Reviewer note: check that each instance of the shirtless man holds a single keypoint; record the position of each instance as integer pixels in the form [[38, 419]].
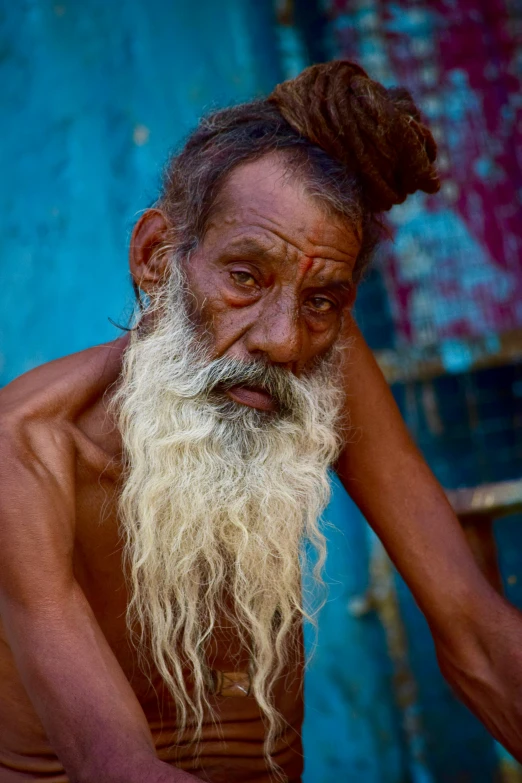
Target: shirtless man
[[155, 492]]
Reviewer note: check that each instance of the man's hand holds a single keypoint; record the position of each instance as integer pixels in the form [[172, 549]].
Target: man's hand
[[482, 660], [478, 635], [89, 711]]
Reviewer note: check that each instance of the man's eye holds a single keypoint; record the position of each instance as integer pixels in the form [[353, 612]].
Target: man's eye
[[321, 304], [244, 278]]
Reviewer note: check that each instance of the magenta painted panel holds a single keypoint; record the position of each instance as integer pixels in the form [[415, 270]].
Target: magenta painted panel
[[455, 268]]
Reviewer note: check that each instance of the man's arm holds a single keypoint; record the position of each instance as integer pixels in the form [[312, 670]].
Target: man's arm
[[90, 713], [478, 635]]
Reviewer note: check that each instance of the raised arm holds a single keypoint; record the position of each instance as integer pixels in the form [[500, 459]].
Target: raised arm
[[88, 709], [478, 635]]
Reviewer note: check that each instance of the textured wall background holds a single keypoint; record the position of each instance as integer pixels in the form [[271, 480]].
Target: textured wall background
[[453, 269], [94, 96]]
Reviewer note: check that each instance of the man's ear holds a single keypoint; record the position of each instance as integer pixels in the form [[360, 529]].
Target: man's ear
[[147, 266]]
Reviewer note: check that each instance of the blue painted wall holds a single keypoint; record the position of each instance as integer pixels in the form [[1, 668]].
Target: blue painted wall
[[94, 96], [352, 730]]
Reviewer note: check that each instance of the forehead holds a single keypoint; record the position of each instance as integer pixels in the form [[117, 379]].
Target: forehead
[[262, 199]]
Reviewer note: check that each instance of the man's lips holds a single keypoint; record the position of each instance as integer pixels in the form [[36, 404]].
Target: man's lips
[[254, 398]]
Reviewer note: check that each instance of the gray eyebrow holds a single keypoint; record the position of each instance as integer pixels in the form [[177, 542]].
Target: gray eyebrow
[[250, 245], [344, 285]]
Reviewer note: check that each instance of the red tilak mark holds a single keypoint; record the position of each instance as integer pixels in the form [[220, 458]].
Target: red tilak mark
[[305, 265]]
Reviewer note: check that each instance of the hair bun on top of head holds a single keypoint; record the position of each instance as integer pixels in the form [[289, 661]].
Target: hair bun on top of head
[[376, 132]]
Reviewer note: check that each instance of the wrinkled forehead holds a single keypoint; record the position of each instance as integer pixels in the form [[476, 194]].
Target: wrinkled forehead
[[268, 197]]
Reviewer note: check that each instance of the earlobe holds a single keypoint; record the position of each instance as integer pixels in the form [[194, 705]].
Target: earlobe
[[147, 265]]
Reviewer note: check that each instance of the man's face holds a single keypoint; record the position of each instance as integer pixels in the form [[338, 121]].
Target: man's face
[[273, 275]]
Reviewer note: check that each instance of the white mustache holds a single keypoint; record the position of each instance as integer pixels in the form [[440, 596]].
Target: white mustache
[[207, 377]]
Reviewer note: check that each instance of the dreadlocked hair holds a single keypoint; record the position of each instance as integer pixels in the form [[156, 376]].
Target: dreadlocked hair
[[359, 148]]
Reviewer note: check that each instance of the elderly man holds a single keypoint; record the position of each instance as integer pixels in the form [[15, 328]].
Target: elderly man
[[156, 493]]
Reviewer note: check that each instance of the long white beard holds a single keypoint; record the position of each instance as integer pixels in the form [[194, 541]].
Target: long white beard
[[218, 501]]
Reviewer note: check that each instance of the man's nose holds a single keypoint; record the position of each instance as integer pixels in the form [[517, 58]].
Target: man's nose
[[278, 334]]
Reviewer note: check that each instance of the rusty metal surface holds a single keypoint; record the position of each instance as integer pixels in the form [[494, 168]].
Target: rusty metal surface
[[488, 500], [382, 596], [419, 362], [478, 508]]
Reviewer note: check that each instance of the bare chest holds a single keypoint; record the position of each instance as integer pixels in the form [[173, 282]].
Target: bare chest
[[98, 554]]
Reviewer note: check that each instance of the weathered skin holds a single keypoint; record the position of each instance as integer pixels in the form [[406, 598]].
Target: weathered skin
[[71, 693], [76, 558]]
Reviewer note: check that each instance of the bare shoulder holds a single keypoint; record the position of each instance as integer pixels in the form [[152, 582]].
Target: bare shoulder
[[64, 387], [44, 423], [45, 405], [41, 435]]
